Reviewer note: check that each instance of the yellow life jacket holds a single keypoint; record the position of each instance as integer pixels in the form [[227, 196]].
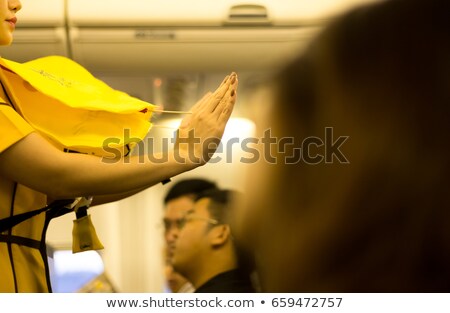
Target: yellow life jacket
[[64, 102]]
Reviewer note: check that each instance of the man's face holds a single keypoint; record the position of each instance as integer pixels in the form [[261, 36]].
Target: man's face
[[175, 211], [193, 242]]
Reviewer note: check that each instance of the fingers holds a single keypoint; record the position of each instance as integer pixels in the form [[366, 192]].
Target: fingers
[[203, 101], [219, 94], [225, 107], [215, 103]]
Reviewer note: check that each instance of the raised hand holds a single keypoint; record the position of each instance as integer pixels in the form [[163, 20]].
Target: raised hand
[[200, 132]]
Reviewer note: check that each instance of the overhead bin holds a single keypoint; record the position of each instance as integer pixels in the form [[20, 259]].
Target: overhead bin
[[41, 31], [197, 35], [142, 36], [202, 12], [137, 50]]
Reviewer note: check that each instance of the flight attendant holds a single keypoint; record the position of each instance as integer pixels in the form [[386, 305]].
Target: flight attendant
[[33, 170]]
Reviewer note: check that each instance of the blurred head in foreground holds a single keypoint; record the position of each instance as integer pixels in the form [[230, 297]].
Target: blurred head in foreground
[[366, 206]]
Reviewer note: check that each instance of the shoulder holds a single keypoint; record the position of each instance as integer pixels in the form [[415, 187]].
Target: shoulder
[[12, 127]]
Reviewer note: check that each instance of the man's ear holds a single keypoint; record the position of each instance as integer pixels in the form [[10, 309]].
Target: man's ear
[[220, 234]]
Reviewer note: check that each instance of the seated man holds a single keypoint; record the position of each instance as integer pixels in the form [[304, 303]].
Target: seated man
[[206, 252], [179, 199]]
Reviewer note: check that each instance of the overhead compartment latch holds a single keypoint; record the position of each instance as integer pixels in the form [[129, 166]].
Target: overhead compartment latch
[[248, 14]]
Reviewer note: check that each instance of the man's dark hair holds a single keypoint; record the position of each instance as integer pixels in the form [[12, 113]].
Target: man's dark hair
[[220, 208], [189, 187]]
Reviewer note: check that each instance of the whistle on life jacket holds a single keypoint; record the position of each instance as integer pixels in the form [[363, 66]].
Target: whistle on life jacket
[[84, 236]]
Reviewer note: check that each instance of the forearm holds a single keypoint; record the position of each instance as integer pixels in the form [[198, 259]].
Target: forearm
[[34, 162], [120, 179]]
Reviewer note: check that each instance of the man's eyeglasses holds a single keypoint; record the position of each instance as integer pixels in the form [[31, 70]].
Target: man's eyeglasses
[[191, 217], [181, 222], [169, 224]]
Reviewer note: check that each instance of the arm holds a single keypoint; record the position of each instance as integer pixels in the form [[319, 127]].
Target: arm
[[34, 162]]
